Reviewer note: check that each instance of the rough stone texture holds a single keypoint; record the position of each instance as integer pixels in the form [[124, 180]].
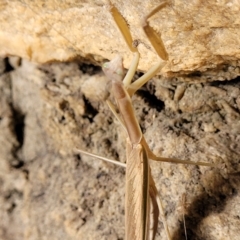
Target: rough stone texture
[[49, 191], [201, 37]]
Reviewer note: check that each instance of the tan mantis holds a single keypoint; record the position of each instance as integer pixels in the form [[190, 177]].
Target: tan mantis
[[142, 202]]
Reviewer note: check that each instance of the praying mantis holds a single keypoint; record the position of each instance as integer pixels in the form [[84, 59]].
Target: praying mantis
[[142, 202]]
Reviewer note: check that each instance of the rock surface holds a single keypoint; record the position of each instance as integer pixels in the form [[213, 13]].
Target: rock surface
[[201, 37], [49, 191]]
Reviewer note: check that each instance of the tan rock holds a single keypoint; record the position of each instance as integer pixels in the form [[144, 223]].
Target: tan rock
[[48, 190], [201, 37]]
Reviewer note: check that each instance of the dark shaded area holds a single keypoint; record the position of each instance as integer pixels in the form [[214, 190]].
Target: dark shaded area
[[19, 125], [194, 74], [89, 69], [18, 129], [77, 160], [8, 66], [151, 100], [90, 111], [65, 108], [204, 205], [226, 82]]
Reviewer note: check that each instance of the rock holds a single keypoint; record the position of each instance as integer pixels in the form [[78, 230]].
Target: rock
[[201, 37], [49, 191]]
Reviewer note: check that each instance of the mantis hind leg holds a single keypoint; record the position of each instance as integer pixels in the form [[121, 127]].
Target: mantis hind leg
[[157, 211], [152, 156]]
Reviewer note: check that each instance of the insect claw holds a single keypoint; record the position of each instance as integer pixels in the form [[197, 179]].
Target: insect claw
[[123, 27], [154, 37]]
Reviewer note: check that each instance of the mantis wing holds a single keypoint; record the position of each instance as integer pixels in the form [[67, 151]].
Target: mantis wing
[[141, 207], [137, 193]]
